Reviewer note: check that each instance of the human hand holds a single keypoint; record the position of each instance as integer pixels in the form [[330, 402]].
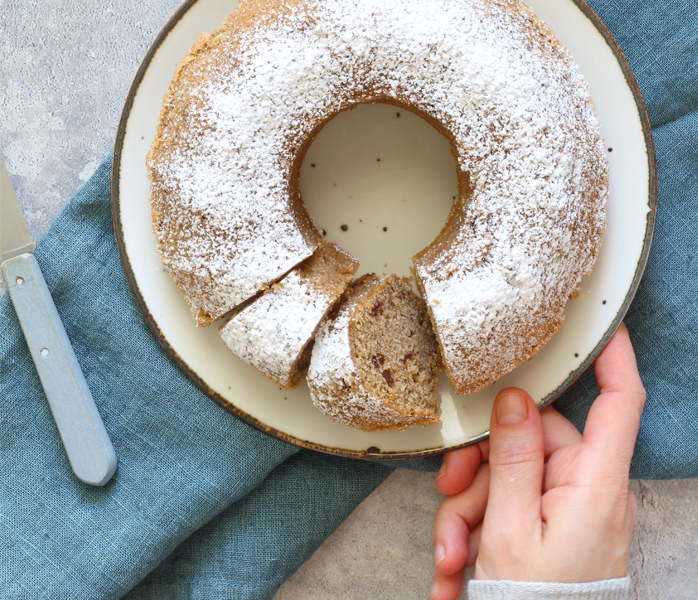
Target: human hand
[[464, 479], [517, 517]]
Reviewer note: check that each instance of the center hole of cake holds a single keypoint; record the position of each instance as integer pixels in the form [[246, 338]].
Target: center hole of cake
[[379, 181]]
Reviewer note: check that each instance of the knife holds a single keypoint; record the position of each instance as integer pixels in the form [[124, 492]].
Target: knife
[[85, 439]]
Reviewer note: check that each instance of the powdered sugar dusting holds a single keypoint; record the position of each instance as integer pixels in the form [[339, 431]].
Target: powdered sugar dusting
[[499, 83], [331, 364], [271, 333]]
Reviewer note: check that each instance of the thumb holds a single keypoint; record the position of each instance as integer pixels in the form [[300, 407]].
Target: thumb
[[517, 454]]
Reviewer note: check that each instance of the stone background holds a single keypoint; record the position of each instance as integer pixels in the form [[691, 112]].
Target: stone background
[[65, 69]]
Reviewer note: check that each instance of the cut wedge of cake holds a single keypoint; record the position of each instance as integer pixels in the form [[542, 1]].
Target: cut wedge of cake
[[375, 361], [274, 332]]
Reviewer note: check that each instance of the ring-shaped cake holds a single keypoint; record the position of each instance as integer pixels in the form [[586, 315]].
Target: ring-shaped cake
[[249, 99]]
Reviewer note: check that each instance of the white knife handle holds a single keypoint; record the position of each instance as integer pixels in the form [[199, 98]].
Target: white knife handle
[[85, 439]]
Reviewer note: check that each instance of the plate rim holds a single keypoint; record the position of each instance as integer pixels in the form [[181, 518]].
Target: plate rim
[[369, 453]]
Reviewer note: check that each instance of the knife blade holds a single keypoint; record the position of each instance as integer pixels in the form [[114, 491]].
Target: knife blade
[[86, 442]]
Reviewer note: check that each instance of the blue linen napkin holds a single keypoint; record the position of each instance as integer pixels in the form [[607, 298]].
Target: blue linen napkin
[[203, 505]]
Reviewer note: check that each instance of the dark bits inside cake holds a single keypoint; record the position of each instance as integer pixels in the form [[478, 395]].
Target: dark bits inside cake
[[395, 350]]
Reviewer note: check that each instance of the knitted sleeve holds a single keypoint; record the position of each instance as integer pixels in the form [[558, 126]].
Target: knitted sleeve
[[610, 589]]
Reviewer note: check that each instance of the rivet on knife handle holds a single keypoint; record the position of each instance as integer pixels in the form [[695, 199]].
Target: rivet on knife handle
[[85, 439]]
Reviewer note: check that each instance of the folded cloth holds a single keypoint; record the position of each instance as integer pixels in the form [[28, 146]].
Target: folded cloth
[[203, 505], [182, 459]]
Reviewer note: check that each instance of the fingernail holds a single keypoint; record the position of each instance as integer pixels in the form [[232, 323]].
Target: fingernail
[[434, 589], [439, 554], [511, 409], [442, 471]]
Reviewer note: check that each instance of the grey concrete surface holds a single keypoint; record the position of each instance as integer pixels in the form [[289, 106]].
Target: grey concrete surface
[[383, 551], [65, 69]]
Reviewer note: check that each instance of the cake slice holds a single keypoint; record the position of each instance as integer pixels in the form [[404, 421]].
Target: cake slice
[[274, 332], [375, 361]]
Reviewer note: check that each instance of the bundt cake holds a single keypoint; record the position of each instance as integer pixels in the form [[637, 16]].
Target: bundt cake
[[529, 217]]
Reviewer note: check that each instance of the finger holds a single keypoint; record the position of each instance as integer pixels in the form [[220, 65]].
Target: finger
[[447, 587], [562, 468], [614, 418], [616, 366], [474, 545], [484, 446], [557, 430], [456, 517], [516, 462], [458, 470]]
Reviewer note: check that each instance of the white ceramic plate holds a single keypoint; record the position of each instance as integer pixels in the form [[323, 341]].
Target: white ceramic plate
[[408, 191]]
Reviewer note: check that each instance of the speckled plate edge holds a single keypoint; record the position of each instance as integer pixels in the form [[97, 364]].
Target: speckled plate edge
[[374, 453]]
